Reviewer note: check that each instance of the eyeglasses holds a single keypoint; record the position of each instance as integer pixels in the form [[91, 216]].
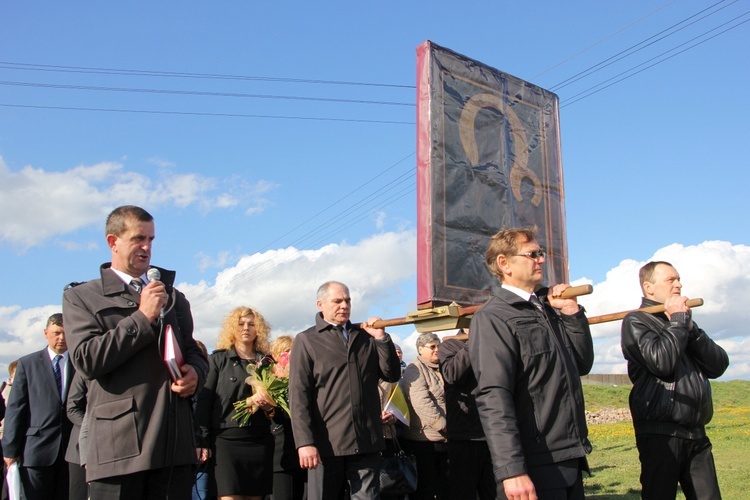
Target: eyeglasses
[[431, 347], [535, 255]]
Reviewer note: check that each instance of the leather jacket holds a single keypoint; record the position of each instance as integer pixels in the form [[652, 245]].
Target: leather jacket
[[669, 364]]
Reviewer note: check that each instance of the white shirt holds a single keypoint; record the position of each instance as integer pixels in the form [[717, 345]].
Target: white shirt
[[521, 293], [126, 278]]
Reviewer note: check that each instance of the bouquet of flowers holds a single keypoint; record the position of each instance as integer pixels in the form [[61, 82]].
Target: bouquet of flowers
[[270, 381]]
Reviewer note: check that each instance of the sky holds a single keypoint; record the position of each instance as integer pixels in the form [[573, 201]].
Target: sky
[[274, 143]]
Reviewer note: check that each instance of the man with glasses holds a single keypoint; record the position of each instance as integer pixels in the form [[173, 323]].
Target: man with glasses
[[528, 348]]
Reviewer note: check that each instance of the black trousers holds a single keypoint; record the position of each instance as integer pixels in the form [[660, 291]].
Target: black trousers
[[78, 487], [432, 468], [174, 483], [43, 483], [329, 479], [471, 474], [665, 461]]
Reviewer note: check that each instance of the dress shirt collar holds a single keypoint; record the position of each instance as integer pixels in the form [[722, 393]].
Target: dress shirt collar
[[126, 278], [521, 293]]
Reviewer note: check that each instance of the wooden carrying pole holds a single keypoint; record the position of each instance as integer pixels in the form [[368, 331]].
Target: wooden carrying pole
[[454, 316], [651, 309]]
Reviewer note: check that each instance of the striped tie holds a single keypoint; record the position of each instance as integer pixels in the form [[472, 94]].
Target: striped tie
[[58, 374], [137, 284]]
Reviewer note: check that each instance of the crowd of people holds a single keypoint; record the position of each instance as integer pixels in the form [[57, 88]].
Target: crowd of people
[[495, 411]]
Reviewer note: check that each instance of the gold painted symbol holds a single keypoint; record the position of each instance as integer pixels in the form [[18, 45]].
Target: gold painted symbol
[[520, 169]]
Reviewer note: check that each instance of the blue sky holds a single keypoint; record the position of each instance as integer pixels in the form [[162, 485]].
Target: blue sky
[[275, 145]]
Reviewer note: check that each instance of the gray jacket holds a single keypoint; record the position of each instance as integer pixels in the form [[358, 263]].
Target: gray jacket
[[136, 422]]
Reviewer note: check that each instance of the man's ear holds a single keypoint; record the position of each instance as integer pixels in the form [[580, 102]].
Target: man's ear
[[111, 239], [648, 289], [503, 264]]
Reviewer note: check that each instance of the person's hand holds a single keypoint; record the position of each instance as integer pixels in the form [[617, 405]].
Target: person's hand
[[203, 454], [568, 307], [153, 299], [377, 333], [261, 402], [388, 418], [11, 461], [308, 457], [519, 488], [675, 304], [186, 386]]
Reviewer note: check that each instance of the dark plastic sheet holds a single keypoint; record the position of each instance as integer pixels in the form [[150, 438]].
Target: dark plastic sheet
[[488, 157]]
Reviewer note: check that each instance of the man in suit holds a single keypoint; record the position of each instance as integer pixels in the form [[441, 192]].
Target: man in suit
[[140, 440], [528, 348], [36, 423]]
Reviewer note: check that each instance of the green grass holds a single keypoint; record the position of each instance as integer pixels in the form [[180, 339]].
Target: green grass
[[614, 462]]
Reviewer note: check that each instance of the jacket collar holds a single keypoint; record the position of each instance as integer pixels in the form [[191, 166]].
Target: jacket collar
[[113, 285]]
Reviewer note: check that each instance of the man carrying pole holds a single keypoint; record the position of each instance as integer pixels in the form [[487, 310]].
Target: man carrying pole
[[528, 351], [670, 361]]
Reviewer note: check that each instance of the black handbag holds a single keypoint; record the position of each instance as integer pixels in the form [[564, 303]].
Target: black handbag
[[398, 473]]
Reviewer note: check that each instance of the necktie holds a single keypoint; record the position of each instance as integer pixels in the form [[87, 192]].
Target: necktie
[[58, 374], [137, 284], [537, 303], [340, 329]]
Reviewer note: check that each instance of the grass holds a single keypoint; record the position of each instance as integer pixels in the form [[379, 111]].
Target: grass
[[614, 462]]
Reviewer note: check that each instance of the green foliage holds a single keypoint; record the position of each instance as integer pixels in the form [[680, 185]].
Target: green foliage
[[614, 462]]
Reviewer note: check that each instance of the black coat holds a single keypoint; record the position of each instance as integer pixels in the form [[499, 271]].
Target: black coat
[[333, 389]]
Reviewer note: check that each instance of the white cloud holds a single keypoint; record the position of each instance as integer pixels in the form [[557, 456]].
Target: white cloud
[[716, 271], [30, 198], [282, 284]]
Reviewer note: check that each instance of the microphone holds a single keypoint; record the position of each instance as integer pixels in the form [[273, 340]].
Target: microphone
[[154, 274]]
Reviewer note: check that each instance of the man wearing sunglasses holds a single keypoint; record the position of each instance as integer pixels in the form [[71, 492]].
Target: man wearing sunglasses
[[528, 348]]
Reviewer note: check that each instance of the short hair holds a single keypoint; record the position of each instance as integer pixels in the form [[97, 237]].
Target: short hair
[[56, 320], [325, 288], [280, 346], [647, 272], [12, 368], [427, 338], [505, 242], [230, 330], [117, 220]]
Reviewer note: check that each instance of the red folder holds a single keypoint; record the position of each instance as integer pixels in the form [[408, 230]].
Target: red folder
[[172, 354]]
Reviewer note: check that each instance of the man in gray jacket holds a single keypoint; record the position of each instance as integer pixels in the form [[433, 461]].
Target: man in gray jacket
[[333, 392], [528, 348], [140, 422]]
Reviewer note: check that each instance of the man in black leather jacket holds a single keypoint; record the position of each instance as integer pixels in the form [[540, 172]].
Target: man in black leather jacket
[[670, 361]]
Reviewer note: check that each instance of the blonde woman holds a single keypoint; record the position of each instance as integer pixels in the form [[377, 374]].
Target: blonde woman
[[243, 455]]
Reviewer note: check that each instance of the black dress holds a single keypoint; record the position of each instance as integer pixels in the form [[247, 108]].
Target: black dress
[[243, 455]]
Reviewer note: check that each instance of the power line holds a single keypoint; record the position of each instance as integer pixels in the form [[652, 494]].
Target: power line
[[590, 91], [201, 93], [602, 40], [170, 74], [633, 49], [197, 113]]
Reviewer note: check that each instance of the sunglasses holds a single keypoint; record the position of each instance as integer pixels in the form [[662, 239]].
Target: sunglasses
[[535, 255]]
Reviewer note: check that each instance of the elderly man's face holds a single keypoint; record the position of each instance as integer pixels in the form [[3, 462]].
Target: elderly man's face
[[664, 282], [337, 305]]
